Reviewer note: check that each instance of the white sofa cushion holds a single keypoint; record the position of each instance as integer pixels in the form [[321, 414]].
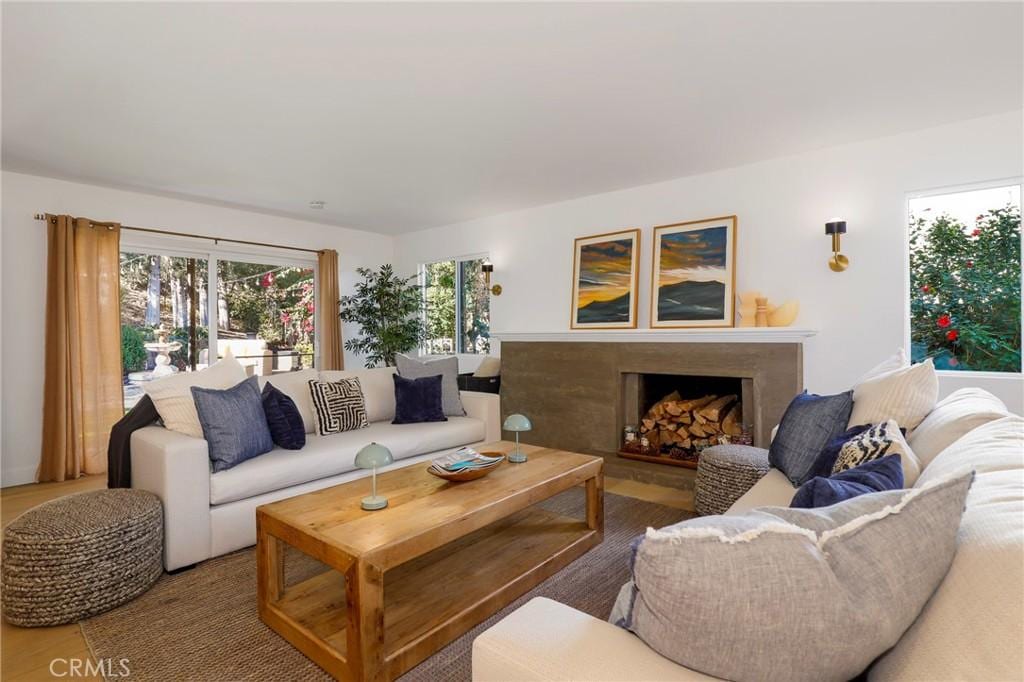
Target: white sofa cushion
[[972, 627], [544, 640], [295, 385], [906, 395], [334, 454], [378, 389], [773, 490], [172, 395], [954, 416]]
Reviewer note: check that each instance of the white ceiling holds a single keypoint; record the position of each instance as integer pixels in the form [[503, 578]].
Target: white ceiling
[[406, 116]]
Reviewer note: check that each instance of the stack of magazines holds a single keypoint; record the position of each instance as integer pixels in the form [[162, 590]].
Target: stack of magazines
[[464, 459]]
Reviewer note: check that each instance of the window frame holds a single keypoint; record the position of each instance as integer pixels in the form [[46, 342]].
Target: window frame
[[907, 322], [212, 253], [421, 272]]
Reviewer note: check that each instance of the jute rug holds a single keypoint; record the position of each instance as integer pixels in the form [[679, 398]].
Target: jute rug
[[202, 624]]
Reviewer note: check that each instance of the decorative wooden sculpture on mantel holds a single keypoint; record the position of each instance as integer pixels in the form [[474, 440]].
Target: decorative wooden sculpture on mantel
[[756, 311]]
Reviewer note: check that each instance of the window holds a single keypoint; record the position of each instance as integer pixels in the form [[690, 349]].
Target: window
[[965, 270], [456, 307], [263, 313]]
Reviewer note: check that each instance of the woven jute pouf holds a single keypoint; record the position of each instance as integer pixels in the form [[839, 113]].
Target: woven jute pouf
[[724, 474], [81, 555]]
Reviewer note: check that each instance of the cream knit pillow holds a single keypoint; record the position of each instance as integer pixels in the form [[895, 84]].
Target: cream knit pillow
[[906, 395], [172, 396]]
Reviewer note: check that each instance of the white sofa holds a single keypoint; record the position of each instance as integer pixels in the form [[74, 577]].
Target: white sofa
[[971, 629], [208, 514]]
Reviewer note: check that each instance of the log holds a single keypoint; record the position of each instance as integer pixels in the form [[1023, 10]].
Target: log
[[732, 423], [648, 424], [697, 430], [697, 403], [714, 410]]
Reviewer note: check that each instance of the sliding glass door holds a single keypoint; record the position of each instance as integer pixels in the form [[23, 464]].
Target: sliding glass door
[[262, 313]]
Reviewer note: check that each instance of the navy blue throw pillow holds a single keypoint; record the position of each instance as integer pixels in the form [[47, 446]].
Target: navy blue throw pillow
[[283, 418], [234, 425], [810, 422], [418, 400], [876, 475], [830, 453]]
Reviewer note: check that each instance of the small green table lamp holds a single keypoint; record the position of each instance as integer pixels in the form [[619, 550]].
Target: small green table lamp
[[517, 423], [370, 457]]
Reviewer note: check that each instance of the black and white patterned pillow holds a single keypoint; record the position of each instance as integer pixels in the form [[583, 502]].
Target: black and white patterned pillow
[[878, 441], [338, 405]]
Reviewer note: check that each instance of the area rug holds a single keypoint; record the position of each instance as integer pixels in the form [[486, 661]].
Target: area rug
[[202, 624]]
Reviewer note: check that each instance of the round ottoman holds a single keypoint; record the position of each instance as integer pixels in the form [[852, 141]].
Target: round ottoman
[[81, 555], [724, 474]]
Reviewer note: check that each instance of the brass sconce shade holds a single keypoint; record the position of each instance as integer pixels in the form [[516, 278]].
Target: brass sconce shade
[[487, 268], [837, 262]]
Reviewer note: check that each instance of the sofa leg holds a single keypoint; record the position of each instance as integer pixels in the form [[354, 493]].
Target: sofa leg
[[182, 569]]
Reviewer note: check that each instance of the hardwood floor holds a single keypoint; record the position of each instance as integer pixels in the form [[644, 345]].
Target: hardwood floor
[[26, 654]]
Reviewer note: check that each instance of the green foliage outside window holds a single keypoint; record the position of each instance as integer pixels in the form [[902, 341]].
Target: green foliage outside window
[[133, 350], [965, 291]]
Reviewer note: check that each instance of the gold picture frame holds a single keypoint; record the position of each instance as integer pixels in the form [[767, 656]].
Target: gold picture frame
[[605, 280], [693, 274]]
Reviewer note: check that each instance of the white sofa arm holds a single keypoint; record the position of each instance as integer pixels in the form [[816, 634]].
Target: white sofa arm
[[487, 408], [176, 468], [547, 641]]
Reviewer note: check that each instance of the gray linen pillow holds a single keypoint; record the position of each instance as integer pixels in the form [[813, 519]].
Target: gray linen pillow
[[793, 594], [234, 424], [448, 368]]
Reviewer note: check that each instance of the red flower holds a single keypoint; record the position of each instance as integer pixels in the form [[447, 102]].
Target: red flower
[[286, 318], [953, 362], [952, 335], [267, 280], [925, 288], [943, 321], [309, 307], [308, 326], [970, 264], [976, 232]]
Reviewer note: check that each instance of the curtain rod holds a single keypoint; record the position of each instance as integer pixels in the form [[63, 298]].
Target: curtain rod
[[215, 240]]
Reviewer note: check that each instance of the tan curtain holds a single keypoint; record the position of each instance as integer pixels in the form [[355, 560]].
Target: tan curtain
[[328, 326], [82, 395]]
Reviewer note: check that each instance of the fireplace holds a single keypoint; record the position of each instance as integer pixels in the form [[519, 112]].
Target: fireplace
[[676, 416], [580, 389]]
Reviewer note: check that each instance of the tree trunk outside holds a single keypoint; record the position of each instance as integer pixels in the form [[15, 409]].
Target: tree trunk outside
[[153, 293]]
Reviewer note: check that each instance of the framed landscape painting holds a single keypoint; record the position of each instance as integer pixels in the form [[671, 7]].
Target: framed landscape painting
[[604, 281], [694, 274]]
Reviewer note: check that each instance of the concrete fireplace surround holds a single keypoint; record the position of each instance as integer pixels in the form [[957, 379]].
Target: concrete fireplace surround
[[579, 388]]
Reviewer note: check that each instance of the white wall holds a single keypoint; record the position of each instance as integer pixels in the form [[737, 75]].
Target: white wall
[[782, 249], [24, 279]]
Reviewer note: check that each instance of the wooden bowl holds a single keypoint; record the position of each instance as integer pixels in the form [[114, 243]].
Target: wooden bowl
[[471, 474]]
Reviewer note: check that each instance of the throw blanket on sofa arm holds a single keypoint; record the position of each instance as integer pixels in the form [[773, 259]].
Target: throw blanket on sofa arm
[[119, 451]]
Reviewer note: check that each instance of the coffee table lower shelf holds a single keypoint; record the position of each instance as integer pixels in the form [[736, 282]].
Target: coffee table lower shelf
[[434, 598]]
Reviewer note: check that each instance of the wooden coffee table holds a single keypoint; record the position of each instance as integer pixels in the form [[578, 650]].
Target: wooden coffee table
[[410, 578]]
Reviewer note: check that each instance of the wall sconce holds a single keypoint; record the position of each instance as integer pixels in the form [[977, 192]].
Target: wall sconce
[[838, 262], [487, 268]]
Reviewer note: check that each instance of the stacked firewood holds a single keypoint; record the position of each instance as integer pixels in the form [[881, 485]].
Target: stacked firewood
[[693, 423]]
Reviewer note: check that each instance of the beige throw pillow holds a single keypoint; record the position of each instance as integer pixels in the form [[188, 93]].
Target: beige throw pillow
[[172, 396], [897, 360], [906, 395], [489, 367]]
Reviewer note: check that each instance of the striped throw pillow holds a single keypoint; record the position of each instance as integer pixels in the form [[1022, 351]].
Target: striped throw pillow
[[338, 405]]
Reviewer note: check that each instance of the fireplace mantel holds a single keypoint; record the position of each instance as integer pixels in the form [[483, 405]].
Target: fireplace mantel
[[732, 335]]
